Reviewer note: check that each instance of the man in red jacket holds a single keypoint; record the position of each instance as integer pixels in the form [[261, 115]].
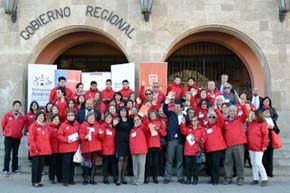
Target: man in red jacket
[[62, 84], [12, 126], [176, 86], [125, 91], [90, 94], [108, 92]]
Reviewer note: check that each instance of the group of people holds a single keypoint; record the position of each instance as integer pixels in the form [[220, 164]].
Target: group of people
[[151, 130]]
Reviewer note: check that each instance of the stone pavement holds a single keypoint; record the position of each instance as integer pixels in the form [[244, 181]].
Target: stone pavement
[[21, 184]]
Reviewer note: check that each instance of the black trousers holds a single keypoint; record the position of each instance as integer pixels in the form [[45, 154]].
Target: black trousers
[[54, 169], [110, 163], [152, 162], [213, 162], [268, 160], [162, 160], [11, 145], [36, 168], [67, 167], [191, 167]]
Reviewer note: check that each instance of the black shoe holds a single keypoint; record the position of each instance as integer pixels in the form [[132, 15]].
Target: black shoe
[[93, 182], [188, 181], [106, 181], [52, 181], [124, 181], [194, 182], [264, 183], [270, 175], [155, 180], [146, 181], [181, 181], [115, 180], [166, 181], [254, 182], [86, 180]]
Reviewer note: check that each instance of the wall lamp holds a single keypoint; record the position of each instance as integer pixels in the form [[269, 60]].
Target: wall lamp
[[146, 7], [11, 9], [284, 7]]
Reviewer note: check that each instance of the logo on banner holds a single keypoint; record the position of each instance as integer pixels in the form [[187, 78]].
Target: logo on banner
[[153, 78], [42, 80]]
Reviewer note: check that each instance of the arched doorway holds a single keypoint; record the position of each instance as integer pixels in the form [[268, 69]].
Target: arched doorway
[[86, 51], [207, 61], [218, 42]]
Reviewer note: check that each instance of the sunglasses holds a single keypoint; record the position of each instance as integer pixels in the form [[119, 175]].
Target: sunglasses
[[211, 117], [149, 93]]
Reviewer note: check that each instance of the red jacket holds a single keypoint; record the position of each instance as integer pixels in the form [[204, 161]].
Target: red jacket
[[234, 129], [153, 137], [257, 135], [125, 92], [187, 88], [53, 97], [95, 144], [178, 90], [198, 135], [38, 140], [109, 139], [158, 98], [30, 117], [102, 107], [202, 116], [53, 129], [12, 127], [90, 94], [137, 140], [62, 107], [107, 95], [214, 137], [211, 96], [65, 130]]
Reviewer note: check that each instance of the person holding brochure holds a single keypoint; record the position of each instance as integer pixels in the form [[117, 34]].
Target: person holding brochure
[[68, 138], [91, 137]]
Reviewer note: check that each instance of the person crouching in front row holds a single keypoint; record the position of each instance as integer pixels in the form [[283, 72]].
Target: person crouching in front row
[[91, 137], [195, 138], [39, 147]]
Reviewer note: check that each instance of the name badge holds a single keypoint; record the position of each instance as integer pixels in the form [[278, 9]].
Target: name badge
[[134, 134], [176, 135], [201, 115], [209, 130], [109, 132]]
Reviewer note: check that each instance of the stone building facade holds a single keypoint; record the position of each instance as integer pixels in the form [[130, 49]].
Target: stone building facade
[[249, 28]]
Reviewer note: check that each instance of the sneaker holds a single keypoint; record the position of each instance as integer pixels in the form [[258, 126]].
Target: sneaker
[[5, 173], [254, 182], [264, 183]]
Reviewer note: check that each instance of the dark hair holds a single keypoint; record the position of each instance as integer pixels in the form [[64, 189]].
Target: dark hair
[[127, 101], [108, 80], [259, 116], [47, 106], [62, 90], [69, 111], [153, 111], [191, 78], [108, 114], [40, 113], [190, 109], [69, 100], [31, 104], [16, 101], [265, 98], [178, 102], [118, 93], [54, 116], [121, 109], [203, 101], [99, 101], [79, 84], [83, 105], [125, 81], [61, 78], [93, 82]]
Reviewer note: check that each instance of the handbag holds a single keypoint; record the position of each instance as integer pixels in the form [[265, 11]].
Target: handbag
[[200, 157], [276, 141], [78, 158]]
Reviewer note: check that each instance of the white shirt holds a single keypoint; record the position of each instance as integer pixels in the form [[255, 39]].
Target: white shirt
[[256, 101]]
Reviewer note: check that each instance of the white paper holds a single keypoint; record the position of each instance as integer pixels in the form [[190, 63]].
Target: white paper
[[209, 130], [269, 121], [73, 137], [134, 134], [190, 139], [109, 132]]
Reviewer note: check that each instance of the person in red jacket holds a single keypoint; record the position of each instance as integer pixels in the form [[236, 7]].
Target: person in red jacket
[[99, 105], [108, 92], [68, 139], [61, 104], [138, 149], [155, 130], [39, 147], [30, 116], [12, 124], [190, 84], [215, 144], [91, 137], [257, 135], [54, 169], [125, 91], [79, 91], [176, 86], [61, 84], [109, 151], [90, 94], [235, 139], [195, 138]]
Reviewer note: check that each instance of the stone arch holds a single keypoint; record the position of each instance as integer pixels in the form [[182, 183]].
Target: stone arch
[[242, 45]]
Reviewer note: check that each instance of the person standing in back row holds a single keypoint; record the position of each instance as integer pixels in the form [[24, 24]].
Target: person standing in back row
[[12, 126]]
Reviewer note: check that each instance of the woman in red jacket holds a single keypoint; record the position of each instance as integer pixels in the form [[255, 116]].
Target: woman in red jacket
[[55, 158], [215, 144], [138, 149], [108, 151], [68, 139], [257, 135], [39, 147], [91, 137], [154, 131], [195, 138], [30, 116], [61, 104]]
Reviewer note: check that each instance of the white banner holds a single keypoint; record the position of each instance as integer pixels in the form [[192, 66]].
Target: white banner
[[121, 72], [99, 77], [40, 82]]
